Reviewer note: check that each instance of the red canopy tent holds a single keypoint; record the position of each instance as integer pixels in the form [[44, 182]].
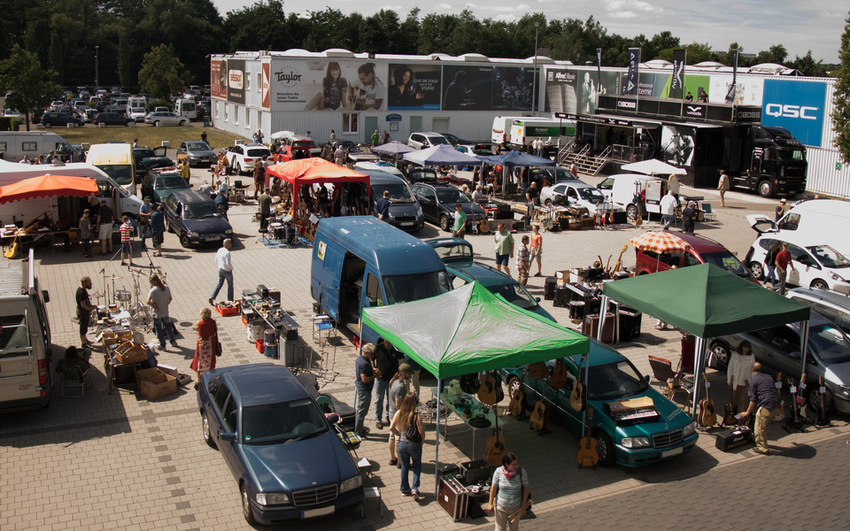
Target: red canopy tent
[[48, 186], [315, 170]]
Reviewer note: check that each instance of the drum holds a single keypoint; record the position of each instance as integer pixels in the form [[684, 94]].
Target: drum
[[122, 295]]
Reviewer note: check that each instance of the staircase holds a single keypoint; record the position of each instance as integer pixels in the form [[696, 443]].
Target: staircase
[[584, 161]]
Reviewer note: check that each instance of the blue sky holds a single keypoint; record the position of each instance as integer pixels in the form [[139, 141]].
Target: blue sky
[[755, 25]]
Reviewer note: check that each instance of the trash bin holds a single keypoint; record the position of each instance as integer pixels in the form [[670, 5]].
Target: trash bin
[[206, 121]]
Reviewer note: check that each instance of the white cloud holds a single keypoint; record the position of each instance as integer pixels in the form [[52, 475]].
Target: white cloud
[[614, 6]]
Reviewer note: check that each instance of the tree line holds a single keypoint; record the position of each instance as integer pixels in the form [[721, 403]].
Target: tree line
[[63, 35]]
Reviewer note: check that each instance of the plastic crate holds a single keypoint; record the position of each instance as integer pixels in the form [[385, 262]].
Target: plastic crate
[[227, 311]]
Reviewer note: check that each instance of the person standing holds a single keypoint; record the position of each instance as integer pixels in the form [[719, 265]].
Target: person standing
[[407, 426], [204, 136], [459, 228], [689, 217], [770, 265], [184, 170], [85, 233], [504, 248], [221, 202], [265, 204], [126, 231], [668, 209], [386, 367], [780, 209], [509, 490], [84, 309], [536, 247], [145, 211], [259, 179], [523, 263], [375, 138], [157, 229], [105, 227], [673, 185], [382, 208], [225, 271], [339, 155], [723, 185], [365, 380], [399, 387], [765, 397], [333, 137], [159, 297], [385, 138], [205, 346], [739, 371], [783, 261], [532, 195]]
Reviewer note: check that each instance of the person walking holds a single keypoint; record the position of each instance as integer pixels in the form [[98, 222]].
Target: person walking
[[770, 265], [157, 229], [765, 397], [504, 248], [84, 309], [259, 179], [509, 490], [85, 233], [407, 426], [382, 207], [689, 217], [781, 209], [536, 247], [205, 346], [668, 209], [523, 263], [159, 297], [532, 195], [225, 271], [783, 261], [399, 387], [723, 185], [363, 384], [386, 366], [105, 220], [459, 228], [126, 231], [145, 211]]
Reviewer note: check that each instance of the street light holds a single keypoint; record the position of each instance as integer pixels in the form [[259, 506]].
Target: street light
[[534, 79], [96, 79]]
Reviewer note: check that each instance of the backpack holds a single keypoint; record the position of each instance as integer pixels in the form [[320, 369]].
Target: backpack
[[412, 432]]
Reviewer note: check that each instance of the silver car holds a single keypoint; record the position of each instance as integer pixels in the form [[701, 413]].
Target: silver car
[[158, 119], [579, 194], [198, 153]]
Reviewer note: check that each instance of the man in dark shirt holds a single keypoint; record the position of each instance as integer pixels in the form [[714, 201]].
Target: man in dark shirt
[[105, 227], [84, 309], [222, 204], [382, 208], [265, 204], [764, 395], [365, 379], [532, 194], [157, 229], [386, 363]]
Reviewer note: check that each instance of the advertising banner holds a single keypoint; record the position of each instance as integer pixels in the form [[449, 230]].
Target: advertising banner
[[327, 85], [218, 79], [589, 90], [266, 85], [512, 88], [796, 106], [631, 86], [236, 80], [414, 87], [748, 90], [561, 91], [677, 145], [467, 88], [677, 79]]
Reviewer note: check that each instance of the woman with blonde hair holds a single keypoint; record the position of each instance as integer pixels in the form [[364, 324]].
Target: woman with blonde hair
[[205, 348], [407, 426]]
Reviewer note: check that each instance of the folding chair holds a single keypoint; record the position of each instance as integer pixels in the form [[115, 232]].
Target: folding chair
[[74, 377], [707, 212], [324, 328], [662, 371]]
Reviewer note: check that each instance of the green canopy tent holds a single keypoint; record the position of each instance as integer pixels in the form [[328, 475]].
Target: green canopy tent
[[706, 301], [470, 330]]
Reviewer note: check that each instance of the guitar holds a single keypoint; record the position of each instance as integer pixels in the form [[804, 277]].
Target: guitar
[[487, 390], [14, 249], [587, 455], [781, 414], [638, 220], [822, 417], [707, 415], [469, 383], [794, 419], [578, 397], [559, 375], [537, 370], [540, 416], [484, 226], [620, 258], [729, 416], [518, 403], [495, 444]]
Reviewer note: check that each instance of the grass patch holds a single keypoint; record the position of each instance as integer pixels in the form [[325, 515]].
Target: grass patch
[[148, 135]]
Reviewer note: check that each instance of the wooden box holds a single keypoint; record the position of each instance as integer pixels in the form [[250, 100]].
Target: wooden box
[[129, 352]]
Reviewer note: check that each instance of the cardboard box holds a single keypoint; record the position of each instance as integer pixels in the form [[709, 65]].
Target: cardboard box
[[153, 383], [563, 276]]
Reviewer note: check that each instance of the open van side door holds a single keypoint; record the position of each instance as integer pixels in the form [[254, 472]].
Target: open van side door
[[761, 223]]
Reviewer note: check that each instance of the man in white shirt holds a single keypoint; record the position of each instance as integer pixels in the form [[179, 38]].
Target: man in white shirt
[[668, 209], [225, 271], [372, 91]]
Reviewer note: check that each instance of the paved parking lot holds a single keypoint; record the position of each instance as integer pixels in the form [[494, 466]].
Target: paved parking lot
[[120, 461]]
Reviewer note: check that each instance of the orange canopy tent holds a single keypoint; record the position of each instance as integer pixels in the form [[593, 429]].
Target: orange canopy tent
[[48, 186], [315, 170]]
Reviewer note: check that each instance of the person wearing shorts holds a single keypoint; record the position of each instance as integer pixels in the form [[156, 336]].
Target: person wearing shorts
[[104, 228], [126, 231], [536, 247], [504, 248]]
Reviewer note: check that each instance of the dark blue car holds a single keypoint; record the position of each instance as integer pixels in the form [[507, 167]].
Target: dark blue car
[[195, 218], [287, 459]]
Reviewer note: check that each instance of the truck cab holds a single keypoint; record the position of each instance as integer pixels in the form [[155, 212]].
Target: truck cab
[[775, 162]]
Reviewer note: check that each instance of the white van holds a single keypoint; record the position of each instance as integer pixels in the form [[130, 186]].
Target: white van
[[25, 377], [627, 186], [187, 108], [116, 160], [816, 264], [15, 144], [815, 221], [524, 131]]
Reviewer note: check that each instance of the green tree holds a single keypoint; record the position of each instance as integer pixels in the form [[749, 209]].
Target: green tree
[[841, 100], [32, 87], [162, 73], [807, 66]]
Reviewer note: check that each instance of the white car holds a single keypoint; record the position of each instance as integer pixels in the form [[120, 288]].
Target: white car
[[138, 114], [426, 140], [815, 266], [242, 157], [578, 194], [159, 119], [12, 113]]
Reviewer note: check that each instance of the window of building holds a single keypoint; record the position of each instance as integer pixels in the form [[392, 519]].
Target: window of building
[[259, 81], [349, 122]]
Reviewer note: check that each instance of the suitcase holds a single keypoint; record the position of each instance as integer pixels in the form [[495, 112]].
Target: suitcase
[[591, 325], [688, 348], [629, 324], [549, 288], [733, 438], [453, 497]]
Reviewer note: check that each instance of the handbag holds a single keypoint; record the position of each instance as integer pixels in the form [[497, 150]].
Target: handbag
[[217, 342], [412, 432]]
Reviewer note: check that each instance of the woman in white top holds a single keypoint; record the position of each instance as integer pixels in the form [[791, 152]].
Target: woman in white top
[[739, 371], [509, 493]]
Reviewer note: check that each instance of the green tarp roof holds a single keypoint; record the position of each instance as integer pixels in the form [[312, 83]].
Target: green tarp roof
[[470, 330], [706, 300]]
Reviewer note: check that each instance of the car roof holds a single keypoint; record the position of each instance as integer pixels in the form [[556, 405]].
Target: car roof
[[265, 383], [377, 176], [700, 244], [482, 273], [598, 354], [830, 297], [192, 196]]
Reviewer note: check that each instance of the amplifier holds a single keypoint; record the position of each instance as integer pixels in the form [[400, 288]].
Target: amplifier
[[549, 288], [577, 310], [733, 438], [560, 300], [453, 497]]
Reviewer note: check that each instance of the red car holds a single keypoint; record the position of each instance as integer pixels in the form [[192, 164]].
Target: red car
[[702, 250]]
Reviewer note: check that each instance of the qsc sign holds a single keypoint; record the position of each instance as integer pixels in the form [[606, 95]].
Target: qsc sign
[[797, 106]]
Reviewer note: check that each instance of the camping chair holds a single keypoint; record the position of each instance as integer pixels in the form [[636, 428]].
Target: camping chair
[[707, 212], [74, 377], [662, 371]]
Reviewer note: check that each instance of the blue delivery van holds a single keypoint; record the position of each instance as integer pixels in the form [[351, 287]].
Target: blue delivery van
[[360, 261]]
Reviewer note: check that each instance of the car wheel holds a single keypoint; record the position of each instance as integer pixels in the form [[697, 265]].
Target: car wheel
[[819, 284], [631, 211], [47, 125], [605, 448], [513, 384], [813, 403], [182, 123], [184, 241], [156, 123], [445, 224], [765, 188], [548, 202], [719, 355], [757, 270], [246, 505], [205, 430]]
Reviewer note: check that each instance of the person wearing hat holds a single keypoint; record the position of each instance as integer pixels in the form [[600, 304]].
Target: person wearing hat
[[689, 216], [145, 212], [781, 209]]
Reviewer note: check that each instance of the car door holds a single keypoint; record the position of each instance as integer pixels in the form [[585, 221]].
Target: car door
[[227, 411], [806, 268], [181, 150], [428, 199], [779, 349]]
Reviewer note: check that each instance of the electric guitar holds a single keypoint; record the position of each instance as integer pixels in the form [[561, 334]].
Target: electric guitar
[[578, 397], [781, 414], [707, 415], [587, 454], [729, 416], [495, 444], [794, 418], [540, 416], [560, 375], [487, 390], [620, 258]]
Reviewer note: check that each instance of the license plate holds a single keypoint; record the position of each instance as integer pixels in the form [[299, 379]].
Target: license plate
[[407, 224], [213, 238], [671, 453], [312, 513]]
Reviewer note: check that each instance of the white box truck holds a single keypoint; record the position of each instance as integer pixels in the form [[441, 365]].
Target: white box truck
[[15, 144]]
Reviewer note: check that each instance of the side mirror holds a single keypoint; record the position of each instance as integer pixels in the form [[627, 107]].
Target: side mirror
[[647, 378], [227, 436], [537, 299], [333, 418]]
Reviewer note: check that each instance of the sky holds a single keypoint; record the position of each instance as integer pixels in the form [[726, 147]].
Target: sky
[[755, 25]]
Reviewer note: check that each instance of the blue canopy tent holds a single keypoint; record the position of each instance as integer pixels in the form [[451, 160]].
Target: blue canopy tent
[[515, 158]]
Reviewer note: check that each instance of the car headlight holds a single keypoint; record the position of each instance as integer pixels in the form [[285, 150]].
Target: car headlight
[[228, 232], [835, 276], [845, 390], [272, 498], [351, 483], [418, 210], [689, 429], [635, 442], [191, 234]]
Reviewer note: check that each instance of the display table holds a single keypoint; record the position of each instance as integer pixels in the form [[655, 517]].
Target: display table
[[460, 405]]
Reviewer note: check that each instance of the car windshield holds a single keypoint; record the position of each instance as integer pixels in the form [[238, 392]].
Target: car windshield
[[792, 154], [591, 194], [141, 153], [120, 173], [197, 146], [200, 210], [258, 153], [614, 381], [515, 294], [406, 288], [282, 422], [607, 184], [829, 257], [437, 140], [170, 183], [399, 193], [727, 261], [454, 252], [451, 195], [830, 343]]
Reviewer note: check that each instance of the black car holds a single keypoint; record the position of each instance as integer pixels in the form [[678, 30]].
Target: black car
[[146, 159], [61, 119], [438, 205], [195, 218], [111, 118]]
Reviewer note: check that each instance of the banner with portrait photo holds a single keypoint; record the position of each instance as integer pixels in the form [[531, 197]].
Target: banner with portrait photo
[[512, 88], [412, 87], [677, 145], [591, 88], [218, 79], [467, 88], [327, 85], [561, 91]]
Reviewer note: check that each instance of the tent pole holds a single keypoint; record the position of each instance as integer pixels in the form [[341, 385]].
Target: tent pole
[[603, 311], [698, 372], [804, 337], [437, 454]]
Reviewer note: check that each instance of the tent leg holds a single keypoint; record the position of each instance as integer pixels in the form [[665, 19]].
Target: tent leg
[[437, 450], [698, 373], [804, 328], [603, 311]]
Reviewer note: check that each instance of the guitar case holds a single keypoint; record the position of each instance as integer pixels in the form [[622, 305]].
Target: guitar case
[[469, 383], [498, 390]]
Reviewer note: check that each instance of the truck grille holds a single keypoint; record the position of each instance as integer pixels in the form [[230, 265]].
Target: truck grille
[[669, 438], [319, 495]]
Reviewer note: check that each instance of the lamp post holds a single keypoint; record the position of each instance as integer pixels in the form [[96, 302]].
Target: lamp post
[[96, 79], [534, 78]]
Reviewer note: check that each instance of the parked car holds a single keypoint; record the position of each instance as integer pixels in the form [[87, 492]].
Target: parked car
[[138, 114], [111, 118], [577, 194], [242, 157], [815, 266], [425, 140], [456, 141], [158, 119], [701, 250], [832, 306], [286, 457], [145, 158], [167, 182], [422, 174], [779, 349], [663, 432], [404, 211], [438, 205], [195, 218], [61, 119], [12, 113], [197, 152], [606, 186], [473, 150], [457, 254]]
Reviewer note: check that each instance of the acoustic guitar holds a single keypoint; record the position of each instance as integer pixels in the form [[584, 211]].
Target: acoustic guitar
[[14, 249], [560, 375], [707, 415], [484, 226], [578, 397], [587, 454], [822, 416], [495, 444], [518, 403], [794, 418], [537, 371], [781, 414], [487, 390], [540, 416]]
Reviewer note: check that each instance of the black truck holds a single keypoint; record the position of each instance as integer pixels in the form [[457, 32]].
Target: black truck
[[767, 160]]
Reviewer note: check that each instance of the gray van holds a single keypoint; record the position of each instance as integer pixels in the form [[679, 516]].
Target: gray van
[[359, 261], [832, 306], [405, 211]]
